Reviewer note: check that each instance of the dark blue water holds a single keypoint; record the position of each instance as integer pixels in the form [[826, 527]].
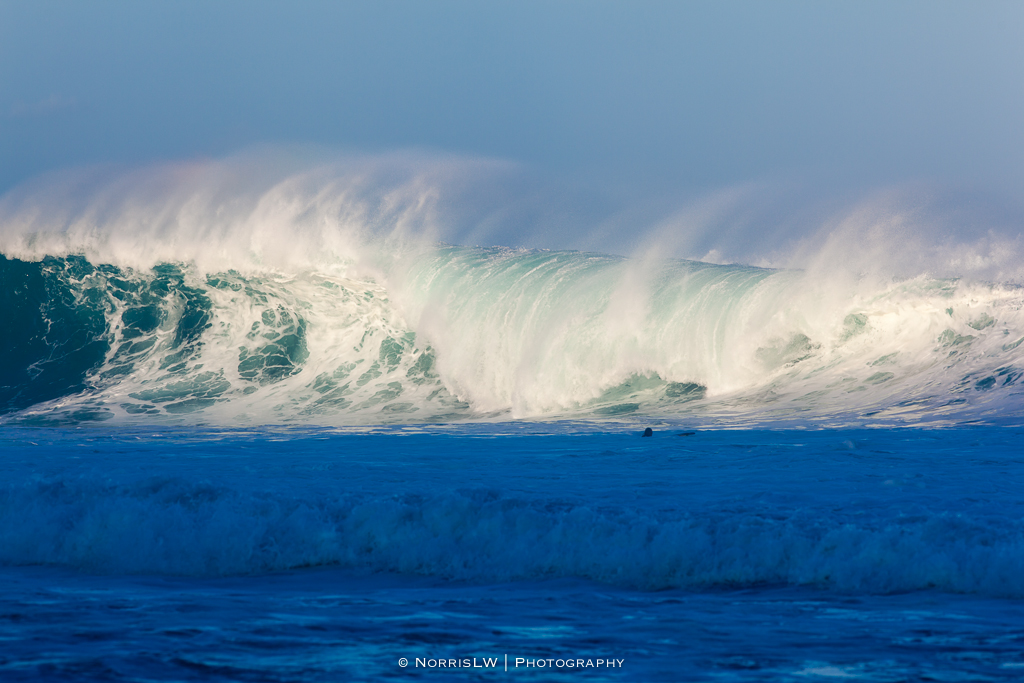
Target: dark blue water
[[324, 555]]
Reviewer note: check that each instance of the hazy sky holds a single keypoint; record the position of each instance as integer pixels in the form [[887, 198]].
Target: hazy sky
[[671, 94]]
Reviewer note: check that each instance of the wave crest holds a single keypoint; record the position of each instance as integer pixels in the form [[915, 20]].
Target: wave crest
[[469, 333]]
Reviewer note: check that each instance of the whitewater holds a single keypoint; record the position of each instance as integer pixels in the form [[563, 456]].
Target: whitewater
[[295, 315], [475, 333], [291, 425]]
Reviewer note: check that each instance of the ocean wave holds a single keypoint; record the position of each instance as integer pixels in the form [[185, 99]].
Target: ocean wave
[[470, 333], [169, 525], [231, 292]]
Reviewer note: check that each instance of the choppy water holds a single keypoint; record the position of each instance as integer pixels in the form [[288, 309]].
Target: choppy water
[[314, 554]]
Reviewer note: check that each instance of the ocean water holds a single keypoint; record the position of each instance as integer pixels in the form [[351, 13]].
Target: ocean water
[[319, 554], [257, 444]]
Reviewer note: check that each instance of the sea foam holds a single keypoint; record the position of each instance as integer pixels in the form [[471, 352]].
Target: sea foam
[[200, 292]]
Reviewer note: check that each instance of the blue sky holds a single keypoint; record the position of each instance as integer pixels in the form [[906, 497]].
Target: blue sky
[[670, 95]]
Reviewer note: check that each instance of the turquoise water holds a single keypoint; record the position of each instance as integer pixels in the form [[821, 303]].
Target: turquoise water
[[444, 334]]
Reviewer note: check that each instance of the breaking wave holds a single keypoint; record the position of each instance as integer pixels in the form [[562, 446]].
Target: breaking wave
[[337, 305]]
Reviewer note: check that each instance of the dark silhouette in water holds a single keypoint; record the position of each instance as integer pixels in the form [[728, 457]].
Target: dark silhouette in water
[[648, 432]]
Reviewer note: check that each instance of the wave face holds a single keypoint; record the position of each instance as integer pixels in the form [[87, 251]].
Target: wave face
[[98, 342], [228, 293], [442, 333]]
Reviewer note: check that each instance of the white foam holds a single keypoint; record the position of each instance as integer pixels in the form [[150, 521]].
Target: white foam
[[350, 250]]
